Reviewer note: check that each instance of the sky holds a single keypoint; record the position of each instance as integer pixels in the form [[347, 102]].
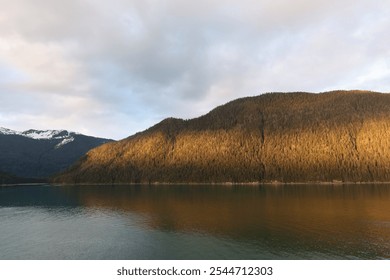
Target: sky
[[113, 68]]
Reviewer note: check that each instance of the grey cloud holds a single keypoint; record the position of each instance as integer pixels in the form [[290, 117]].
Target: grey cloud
[[125, 64]]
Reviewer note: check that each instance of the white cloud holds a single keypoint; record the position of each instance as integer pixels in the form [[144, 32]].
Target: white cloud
[[111, 68]]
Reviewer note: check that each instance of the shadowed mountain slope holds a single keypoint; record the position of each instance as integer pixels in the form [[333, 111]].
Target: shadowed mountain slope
[[286, 137], [42, 153], [6, 179]]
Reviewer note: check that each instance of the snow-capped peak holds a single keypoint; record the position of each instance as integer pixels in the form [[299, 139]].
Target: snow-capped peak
[[46, 134], [64, 135], [7, 131]]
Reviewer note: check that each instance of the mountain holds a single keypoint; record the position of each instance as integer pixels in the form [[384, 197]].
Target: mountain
[[11, 179], [285, 137], [42, 153]]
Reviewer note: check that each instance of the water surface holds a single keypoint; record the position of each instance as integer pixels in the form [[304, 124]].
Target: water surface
[[195, 222]]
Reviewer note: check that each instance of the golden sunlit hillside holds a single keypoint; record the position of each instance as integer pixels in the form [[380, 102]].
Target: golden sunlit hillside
[[285, 137]]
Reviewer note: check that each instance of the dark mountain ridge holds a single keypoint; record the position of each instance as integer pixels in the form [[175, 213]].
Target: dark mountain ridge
[[286, 137], [8, 179], [42, 153]]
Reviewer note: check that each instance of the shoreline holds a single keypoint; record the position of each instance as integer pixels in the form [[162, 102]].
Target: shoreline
[[220, 183], [24, 184], [227, 184]]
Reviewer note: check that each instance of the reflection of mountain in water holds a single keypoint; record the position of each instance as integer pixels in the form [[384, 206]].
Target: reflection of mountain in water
[[280, 216], [44, 196], [180, 222]]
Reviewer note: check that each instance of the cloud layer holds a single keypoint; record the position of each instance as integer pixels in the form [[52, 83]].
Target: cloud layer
[[112, 68]]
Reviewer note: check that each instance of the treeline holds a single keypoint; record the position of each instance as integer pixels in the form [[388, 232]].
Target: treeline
[[286, 137], [9, 179]]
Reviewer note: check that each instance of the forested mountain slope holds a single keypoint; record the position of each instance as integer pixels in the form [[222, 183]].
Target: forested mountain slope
[[286, 137], [42, 153]]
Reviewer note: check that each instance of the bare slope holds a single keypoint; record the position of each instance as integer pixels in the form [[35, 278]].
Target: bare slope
[[287, 137]]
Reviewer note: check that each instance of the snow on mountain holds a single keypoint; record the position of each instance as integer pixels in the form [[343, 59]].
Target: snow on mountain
[[64, 142], [7, 131], [42, 153], [47, 134], [66, 136]]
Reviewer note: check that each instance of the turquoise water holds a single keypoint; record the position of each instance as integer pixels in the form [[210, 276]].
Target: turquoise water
[[195, 222]]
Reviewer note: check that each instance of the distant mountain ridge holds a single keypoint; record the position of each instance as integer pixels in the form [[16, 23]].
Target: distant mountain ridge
[[38, 134], [340, 136], [64, 135], [42, 153]]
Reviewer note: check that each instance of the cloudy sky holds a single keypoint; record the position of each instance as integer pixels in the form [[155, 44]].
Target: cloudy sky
[[112, 68]]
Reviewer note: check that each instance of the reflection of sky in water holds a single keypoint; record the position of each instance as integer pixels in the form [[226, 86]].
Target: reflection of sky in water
[[188, 222]]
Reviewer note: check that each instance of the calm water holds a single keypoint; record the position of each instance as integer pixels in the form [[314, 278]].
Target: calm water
[[195, 222]]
